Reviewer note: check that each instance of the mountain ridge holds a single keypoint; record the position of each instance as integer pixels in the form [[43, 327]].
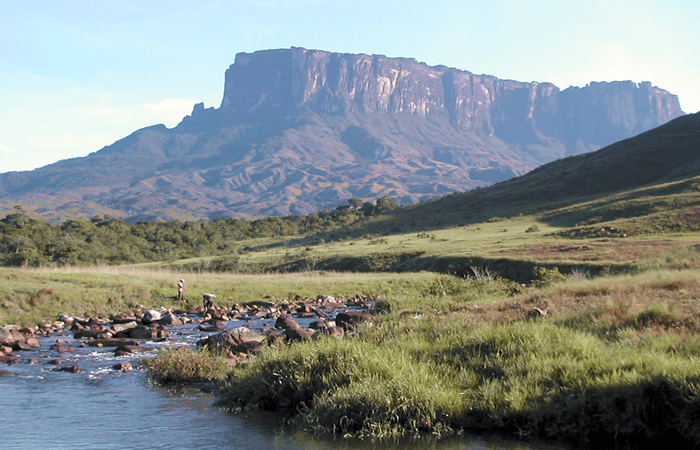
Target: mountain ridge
[[302, 130]]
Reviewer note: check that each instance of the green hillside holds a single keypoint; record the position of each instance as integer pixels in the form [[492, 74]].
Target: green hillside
[[670, 152]]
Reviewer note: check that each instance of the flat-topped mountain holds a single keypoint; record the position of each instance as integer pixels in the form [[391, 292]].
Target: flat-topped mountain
[[301, 130]]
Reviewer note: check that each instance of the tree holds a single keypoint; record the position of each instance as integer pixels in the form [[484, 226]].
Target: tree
[[355, 203], [385, 204]]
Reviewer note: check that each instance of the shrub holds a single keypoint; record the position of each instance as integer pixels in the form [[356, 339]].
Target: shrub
[[546, 277]]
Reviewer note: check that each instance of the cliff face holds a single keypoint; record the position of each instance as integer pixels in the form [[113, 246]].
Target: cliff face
[[291, 80], [300, 130]]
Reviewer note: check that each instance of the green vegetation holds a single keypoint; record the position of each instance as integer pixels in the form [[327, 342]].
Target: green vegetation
[[182, 364], [597, 369], [560, 305]]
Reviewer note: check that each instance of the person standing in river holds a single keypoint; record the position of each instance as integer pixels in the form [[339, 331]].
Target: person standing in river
[[181, 290]]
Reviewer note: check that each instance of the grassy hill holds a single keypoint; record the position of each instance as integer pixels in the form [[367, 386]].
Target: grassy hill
[[668, 153]]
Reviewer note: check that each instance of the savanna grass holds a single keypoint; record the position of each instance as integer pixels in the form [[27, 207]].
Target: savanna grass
[[184, 364], [532, 377]]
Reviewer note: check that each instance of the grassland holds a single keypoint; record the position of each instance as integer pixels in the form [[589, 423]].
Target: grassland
[[460, 345], [576, 323]]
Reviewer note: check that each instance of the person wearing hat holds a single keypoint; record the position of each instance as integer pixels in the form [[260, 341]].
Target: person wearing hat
[[181, 290]]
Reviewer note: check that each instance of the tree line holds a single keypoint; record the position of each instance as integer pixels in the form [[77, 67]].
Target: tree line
[[31, 242]]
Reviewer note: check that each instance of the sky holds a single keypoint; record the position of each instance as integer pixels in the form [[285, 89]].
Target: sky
[[76, 76]]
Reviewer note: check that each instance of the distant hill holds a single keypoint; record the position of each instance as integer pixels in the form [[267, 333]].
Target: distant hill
[[301, 130], [670, 152]]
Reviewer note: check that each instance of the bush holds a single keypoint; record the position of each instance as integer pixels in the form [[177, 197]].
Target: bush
[[546, 277]]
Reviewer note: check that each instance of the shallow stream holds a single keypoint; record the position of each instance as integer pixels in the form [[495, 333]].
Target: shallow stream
[[104, 408]]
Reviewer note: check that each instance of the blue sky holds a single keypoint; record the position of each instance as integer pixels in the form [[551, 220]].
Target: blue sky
[[76, 76]]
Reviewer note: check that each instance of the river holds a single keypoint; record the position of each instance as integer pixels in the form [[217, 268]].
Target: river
[[103, 408]]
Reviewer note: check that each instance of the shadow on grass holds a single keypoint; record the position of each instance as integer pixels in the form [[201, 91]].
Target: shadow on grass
[[650, 415]]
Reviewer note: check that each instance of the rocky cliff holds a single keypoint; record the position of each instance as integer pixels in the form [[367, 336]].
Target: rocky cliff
[[301, 130], [292, 80]]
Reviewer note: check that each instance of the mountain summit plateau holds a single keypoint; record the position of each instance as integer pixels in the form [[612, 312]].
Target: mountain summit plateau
[[302, 130]]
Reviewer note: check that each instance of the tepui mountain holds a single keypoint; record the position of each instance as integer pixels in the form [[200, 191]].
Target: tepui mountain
[[302, 130]]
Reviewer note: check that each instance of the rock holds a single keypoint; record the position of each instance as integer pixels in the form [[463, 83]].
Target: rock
[[332, 305], [273, 337], [70, 369], [123, 319], [170, 319], [306, 315], [61, 348], [336, 332], [209, 329], [322, 324], [118, 327], [144, 332], [7, 359], [7, 373], [351, 319], [10, 336], [124, 350], [112, 342], [286, 322], [150, 316], [124, 367], [239, 340], [92, 334], [297, 334]]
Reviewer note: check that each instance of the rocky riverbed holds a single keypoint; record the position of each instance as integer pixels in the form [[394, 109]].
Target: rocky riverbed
[[238, 331]]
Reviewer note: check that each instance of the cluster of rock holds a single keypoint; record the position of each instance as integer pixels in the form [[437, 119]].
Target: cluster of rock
[[125, 332], [242, 341]]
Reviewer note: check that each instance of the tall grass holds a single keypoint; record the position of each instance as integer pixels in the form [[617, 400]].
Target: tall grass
[[184, 364], [544, 377]]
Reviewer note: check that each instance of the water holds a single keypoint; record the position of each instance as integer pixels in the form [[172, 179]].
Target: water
[[102, 408]]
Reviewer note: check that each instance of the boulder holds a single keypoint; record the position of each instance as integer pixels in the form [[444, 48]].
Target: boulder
[[32, 342], [123, 366], [60, 348], [7, 359], [10, 336], [297, 334], [123, 318], [170, 319], [144, 332], [322, 324], [332, 305], [239, 340], [92, 334], [351, 319], [118, 327], [152, 315], [286, 322], [69, 369], [336, 332], [124, 350]]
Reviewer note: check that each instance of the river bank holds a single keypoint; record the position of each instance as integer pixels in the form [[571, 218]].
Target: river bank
[[67, 387], [610, 362]]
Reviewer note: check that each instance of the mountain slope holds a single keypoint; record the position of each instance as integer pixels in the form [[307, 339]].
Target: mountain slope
[[668, 153], [298, 131]]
